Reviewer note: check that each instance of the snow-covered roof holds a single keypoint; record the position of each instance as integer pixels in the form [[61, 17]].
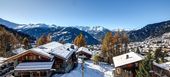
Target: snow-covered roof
[[2, 59], [39, 51], [83, 49], [49, 46], [42, 50], [123, 60], [62, 52], [50, 50], [68, 45], [165, 66], [46, 48], [34, 66], [18, 50]]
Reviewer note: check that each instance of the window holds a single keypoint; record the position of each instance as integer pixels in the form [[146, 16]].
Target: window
[[33, 57], [39, 57], [30, 58], [26, 58], [43, 73], [57, 66]]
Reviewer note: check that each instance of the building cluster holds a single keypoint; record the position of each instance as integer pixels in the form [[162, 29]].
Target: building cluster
[[158, 69], [54, 57], [44, 60], [161, 69], [151, 44]]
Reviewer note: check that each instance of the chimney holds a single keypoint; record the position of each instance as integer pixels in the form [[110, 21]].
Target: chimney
[[127, 56]]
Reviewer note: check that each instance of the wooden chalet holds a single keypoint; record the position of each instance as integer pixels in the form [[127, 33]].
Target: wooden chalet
[[42, 61], [26, 64], [126, 64], [65, 60], [161, 70], [82, 51]]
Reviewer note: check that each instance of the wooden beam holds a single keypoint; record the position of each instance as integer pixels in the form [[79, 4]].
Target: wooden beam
[[24, 53]]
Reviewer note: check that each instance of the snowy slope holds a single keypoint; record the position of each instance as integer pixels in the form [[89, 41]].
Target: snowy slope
[[8, 23], [91, 70]]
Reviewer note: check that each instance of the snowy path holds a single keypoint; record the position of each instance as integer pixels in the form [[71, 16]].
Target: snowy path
[[91, 70]]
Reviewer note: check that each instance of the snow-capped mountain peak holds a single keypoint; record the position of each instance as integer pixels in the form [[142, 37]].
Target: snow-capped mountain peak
[[25, 26], [91, 28], [96, 31]]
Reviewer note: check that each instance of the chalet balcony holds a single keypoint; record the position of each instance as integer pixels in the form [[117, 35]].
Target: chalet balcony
[[5, 68], [33, 69]]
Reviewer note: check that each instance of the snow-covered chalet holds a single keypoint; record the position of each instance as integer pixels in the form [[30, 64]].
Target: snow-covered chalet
[[43, 60]]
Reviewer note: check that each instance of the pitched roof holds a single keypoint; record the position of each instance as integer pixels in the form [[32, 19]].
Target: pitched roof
[[34, 66], [62, 52], [18, 50], [49, 50], [42, 50], [165, 66], [123, 60], [2, 59], [83, 49], [29, 51]]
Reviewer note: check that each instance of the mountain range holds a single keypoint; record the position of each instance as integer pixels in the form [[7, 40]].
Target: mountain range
[[58, 33], [93, 35]]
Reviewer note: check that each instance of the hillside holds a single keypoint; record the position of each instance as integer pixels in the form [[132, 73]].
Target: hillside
[[150, 30], [17, 33]]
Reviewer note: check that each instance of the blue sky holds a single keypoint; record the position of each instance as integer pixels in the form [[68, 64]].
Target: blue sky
[[112, 14]]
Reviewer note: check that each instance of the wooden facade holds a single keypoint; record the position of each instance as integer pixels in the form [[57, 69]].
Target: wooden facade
[[159, 72], [63, 66], [30, 56], [33, 73], [127, 64], [128, 70]]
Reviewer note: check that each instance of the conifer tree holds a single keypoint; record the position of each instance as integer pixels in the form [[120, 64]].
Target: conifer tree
[[125, 41], [26, 43], [107, 47], [116, 41], [95, 58], [80, 41], [48, 37], [7, 43], [43, 40], [145, 66]]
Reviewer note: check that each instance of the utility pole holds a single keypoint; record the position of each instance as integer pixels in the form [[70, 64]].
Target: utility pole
[[82, 64], [82, 67]]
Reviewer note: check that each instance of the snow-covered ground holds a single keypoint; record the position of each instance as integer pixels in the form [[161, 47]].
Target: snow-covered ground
[[91, 70]]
